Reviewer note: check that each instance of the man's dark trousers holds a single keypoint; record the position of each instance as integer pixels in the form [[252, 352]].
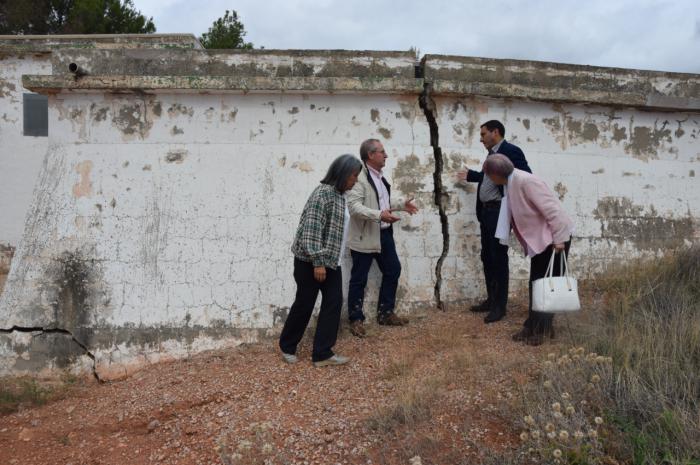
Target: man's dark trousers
[[494, 257], [389, 265], [299, 315]]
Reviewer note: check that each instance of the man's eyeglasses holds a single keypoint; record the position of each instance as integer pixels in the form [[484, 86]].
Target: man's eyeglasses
[[378, 151]]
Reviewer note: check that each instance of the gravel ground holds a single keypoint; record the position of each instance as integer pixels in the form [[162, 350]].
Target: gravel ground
[[435, 391]]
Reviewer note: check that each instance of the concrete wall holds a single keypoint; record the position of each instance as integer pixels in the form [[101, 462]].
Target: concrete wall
[[162, 219], [21, 156]]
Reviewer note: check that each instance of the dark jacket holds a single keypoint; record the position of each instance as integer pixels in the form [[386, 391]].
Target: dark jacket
[[515, 155]]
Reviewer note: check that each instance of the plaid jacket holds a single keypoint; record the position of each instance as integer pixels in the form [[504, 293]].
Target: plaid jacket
[[320, 232]]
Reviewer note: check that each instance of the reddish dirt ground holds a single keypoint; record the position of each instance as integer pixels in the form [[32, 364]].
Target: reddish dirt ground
[[436, 389]]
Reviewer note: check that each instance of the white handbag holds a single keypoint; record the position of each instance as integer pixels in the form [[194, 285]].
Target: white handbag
[[556, 294]]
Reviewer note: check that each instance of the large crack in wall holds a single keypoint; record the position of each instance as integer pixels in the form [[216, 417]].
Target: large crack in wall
[[440, 197], [41, 330]]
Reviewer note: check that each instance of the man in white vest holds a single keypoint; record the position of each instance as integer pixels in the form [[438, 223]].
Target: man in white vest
[[371, 238]]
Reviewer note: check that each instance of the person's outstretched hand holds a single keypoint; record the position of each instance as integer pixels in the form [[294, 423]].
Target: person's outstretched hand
[[388, 217]]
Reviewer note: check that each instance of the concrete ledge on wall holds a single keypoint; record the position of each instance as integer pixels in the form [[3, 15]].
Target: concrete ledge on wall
[[556, 82], [220, 84], [22, 44]]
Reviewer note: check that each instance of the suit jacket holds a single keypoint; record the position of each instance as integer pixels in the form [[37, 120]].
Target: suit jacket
[[515, 155], [537, 216], [365, 221]]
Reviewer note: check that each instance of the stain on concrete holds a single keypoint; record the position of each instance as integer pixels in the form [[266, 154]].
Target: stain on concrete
[[526, 123], [177, 109], [619, 133], [157, 108], [646, 142], [176, 156], [146, 168], [293, 111], [561, 190], [374, 115], [386, 133], [629, 173], [131, 120], [568, 130], [6, 254], [83, 188], [622, 221], [598, 171], [691, 173], [303, 166], [409, 173], [98, 114], [6, 88], [176, 131], [679, 132]]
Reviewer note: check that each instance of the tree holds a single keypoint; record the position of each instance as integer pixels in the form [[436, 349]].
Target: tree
[[72, 17], [226, 32]]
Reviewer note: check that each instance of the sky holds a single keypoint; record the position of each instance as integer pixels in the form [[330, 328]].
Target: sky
[[641, 34]]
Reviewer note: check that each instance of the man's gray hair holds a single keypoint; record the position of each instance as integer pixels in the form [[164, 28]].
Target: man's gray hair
[[366, 147], [498, 165]]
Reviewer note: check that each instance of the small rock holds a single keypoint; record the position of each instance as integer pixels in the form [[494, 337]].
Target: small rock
[[153, 425], [25, 435], [415, 460], [34, 423], [70, 409]]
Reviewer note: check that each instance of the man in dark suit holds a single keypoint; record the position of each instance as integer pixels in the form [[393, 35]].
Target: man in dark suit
[[494, 255]]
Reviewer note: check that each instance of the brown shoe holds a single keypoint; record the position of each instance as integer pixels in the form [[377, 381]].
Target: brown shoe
[[391, 319], [534, 340], [521, 335], [357, 328]]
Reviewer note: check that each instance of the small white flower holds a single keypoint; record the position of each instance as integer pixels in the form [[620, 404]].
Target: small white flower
[[552, 435], [565, 396], [570, 410], [549, 427], [547, 384], [557, 415], [529, 420], [556, 406], [556, 453], [578, 434], [595, 379], [535, 434], [592, 433], [598, 421], [524, 436], [564, 435]]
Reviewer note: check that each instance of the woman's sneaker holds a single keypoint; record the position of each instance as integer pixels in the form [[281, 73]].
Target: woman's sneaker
[[334, 360], [290, 358]]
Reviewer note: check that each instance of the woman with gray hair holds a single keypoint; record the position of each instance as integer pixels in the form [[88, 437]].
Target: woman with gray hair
[[318, 246], [541, 225]]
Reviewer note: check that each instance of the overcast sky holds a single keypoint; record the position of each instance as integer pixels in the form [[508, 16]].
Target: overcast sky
[[644, 34]]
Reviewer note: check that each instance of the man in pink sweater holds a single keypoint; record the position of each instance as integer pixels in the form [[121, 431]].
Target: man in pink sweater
[[541, 226]]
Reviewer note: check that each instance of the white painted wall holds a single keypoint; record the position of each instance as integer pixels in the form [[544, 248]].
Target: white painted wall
[[20, 156], [183, 207]]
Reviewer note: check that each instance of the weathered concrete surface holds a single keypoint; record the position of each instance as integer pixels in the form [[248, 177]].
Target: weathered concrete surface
[[140, 228], [555, 82], [162, 219], [48, 43], [21, 156], [238, 63], [236, 84], [241, 71]]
